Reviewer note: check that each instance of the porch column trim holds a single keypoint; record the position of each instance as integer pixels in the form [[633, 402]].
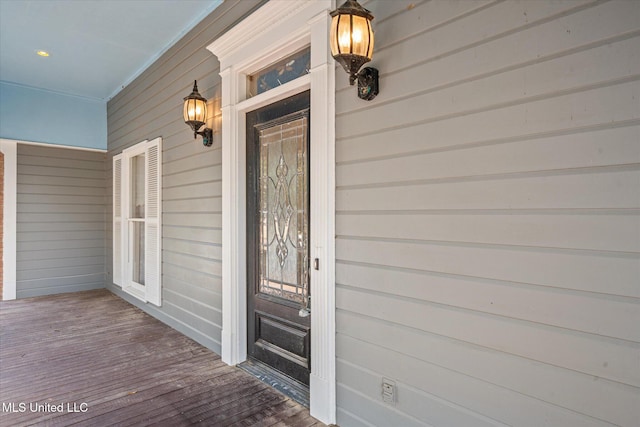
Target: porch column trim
[[9, 239]]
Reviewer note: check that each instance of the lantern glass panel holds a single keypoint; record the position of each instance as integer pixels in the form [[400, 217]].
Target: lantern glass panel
[[340, 35], [195, 110], [351, 34], [362, 37]]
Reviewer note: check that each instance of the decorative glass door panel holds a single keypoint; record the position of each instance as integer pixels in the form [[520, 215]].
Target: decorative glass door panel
[[283, 202]]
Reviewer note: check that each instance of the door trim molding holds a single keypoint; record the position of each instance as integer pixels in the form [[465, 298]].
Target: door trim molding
[[276, 29]]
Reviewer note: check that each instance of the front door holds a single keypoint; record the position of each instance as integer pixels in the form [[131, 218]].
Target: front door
[[279, 320]]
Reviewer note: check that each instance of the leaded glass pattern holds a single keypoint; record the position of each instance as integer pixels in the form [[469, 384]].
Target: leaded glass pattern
[[283, 202]]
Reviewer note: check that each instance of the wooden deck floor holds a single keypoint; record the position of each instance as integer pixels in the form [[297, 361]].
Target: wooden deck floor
[[104, 362]]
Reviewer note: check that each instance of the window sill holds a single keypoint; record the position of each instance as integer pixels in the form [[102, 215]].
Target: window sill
[[135, 293]]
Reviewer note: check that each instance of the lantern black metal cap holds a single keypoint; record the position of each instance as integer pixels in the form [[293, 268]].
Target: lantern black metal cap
[[206, 133], [352, 7], [195, 94]]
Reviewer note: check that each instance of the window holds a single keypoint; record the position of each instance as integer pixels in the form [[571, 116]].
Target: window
[[283, 71], [137, 174]]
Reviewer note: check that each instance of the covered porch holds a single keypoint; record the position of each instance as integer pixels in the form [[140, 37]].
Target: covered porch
[[92, 358]]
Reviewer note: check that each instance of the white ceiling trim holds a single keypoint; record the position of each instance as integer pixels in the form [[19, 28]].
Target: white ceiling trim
[[157, 56], [54, 92]]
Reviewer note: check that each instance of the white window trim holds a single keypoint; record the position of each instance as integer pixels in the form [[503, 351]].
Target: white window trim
[[122, 268], [277, 29]]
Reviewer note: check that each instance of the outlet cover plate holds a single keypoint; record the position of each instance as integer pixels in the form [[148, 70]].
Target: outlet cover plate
[[389, 391]]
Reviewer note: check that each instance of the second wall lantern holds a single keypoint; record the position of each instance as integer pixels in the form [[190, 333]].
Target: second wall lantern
[[195, 115], [351, 40]]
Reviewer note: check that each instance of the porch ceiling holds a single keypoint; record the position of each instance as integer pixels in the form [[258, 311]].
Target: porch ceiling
[[96, 47]]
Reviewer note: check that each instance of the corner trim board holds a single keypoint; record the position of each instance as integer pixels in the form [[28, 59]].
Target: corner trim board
[[9, 240]]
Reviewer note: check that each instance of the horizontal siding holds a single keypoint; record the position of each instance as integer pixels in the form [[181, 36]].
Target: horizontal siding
[[60, 220], [151, 106], [488, 217]]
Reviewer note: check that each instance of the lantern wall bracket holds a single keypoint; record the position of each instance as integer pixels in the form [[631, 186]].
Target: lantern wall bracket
[[207, 136], [367, 83]]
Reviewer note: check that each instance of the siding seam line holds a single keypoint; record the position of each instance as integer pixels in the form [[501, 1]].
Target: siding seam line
[[477, 379], [499, 141], [453, 405], [500, 105], [560, 330], [194, 301], [490, 39], [504, 211], [550, 57], [164, 301], [583, 170], [389, 408], [465, 343], [483, 245], [501, 282]]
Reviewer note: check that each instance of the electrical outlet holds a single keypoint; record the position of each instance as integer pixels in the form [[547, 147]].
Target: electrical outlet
[[388, 391]]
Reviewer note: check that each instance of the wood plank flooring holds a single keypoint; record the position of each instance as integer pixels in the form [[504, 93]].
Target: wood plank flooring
[[104, 362]]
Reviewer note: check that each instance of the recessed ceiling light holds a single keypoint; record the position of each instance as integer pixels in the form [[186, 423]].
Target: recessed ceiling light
[[42, 53]]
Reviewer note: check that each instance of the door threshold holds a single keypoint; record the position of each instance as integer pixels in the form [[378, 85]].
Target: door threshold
[[284, 384]]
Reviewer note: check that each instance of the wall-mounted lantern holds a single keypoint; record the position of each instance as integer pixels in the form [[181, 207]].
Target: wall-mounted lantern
[[195, 115], [351, 41]]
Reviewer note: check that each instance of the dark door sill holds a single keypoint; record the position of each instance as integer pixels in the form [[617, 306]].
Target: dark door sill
[[284, 384]]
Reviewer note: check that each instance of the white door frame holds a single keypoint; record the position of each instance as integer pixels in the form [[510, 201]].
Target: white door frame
[[276, 29], [10, 150]]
